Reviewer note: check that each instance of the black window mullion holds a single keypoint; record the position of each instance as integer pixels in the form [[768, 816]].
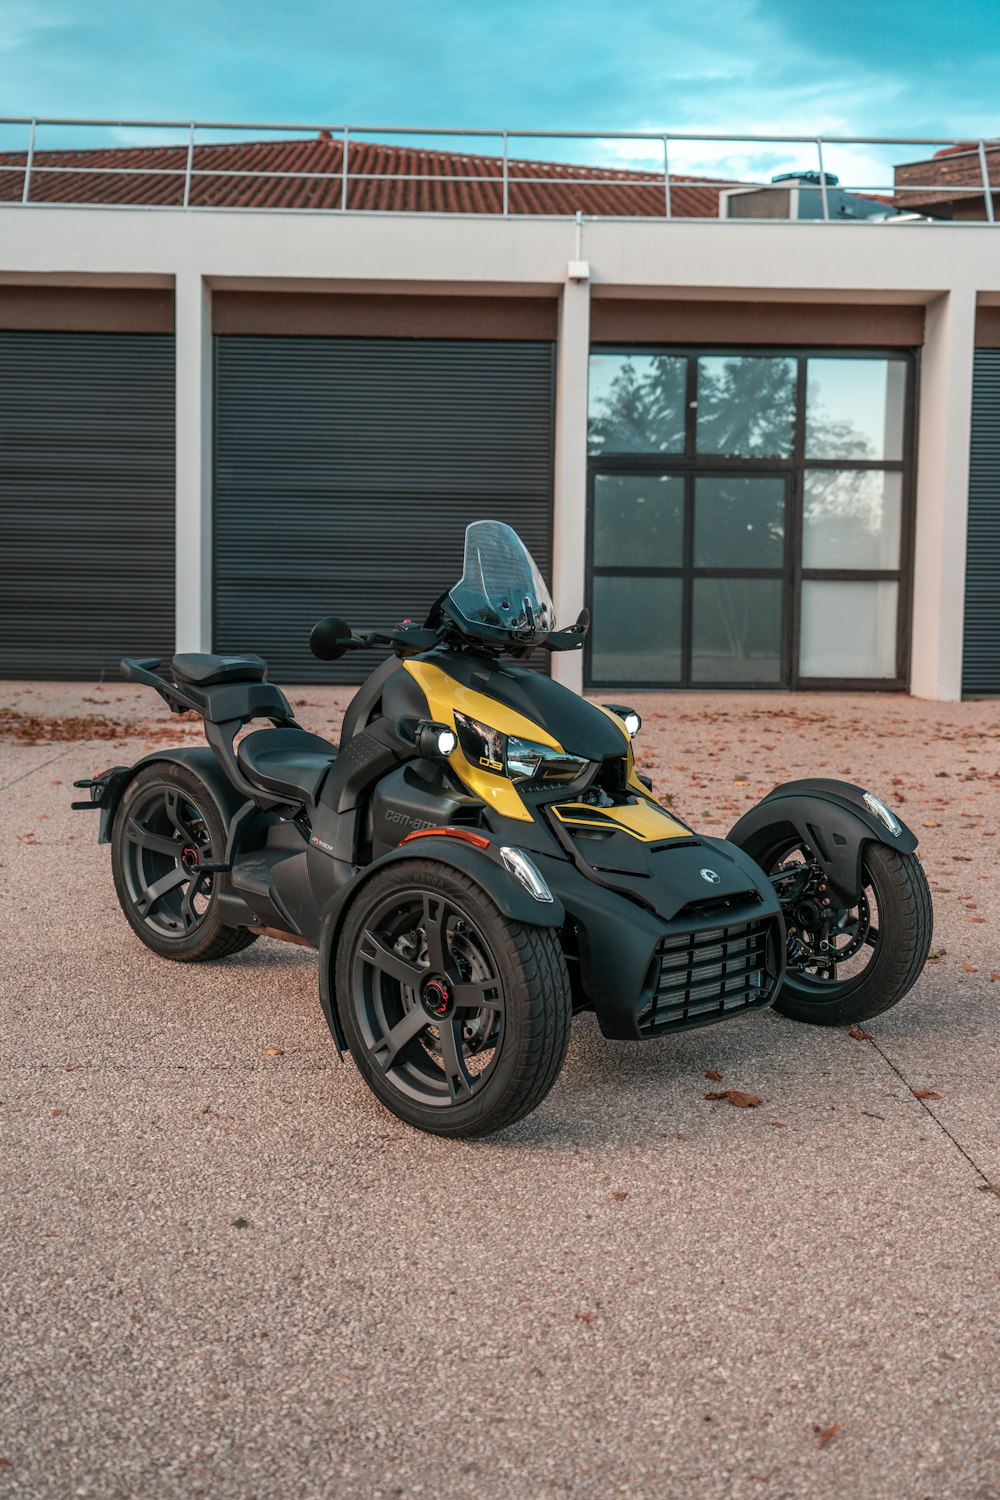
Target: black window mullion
[[793, 606], [851, 575], [691, 408], [687, 588]]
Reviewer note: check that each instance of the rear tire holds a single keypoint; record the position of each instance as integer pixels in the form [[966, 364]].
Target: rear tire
[[167, 824], [421, 935], [897, 898]]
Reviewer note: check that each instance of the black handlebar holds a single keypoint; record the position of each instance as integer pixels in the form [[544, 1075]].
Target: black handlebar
[[331, 638]]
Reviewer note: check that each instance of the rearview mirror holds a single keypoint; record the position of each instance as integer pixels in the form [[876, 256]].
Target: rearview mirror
[[328, 638]]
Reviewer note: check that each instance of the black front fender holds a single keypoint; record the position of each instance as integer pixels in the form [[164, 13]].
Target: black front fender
[[832, 819], [484, 866]]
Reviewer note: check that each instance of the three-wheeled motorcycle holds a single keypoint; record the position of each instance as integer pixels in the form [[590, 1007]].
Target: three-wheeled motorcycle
[[480, 859]]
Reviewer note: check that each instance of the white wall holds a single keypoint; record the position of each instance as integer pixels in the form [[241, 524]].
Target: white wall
[[938, 265]]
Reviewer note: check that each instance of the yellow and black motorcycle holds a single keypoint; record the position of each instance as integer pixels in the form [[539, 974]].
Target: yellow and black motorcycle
[[480, 859]]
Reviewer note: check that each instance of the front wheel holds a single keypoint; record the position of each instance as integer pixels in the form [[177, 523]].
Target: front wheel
[[457, 1017], [850, 964]]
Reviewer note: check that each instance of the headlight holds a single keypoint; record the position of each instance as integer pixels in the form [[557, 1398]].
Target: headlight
[[436, 741], [628, 716], [520, 760]]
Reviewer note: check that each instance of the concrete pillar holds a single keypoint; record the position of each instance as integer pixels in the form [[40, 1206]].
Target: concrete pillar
[[569, 525], [193, 449], [944, 426]]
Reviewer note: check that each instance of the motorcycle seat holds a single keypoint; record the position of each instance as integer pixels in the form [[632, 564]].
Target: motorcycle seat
[[291, 762], [204, 670]]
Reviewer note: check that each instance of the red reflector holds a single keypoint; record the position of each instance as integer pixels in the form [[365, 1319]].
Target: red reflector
[[451, 833]]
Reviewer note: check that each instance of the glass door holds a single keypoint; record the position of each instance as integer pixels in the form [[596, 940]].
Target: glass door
[[689, 578]]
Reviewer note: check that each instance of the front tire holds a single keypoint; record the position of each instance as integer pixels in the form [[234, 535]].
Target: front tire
[[457, 1017], [167, 824], [876, 950]]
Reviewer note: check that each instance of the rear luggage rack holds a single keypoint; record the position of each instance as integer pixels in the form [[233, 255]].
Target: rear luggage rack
[[709, 973]]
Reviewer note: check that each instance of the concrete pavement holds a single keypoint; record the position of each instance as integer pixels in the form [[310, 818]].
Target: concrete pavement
[[404, 1316]]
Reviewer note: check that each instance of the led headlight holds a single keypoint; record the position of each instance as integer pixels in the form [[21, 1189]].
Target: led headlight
[[436, 741], [520, 760], [628, 716]]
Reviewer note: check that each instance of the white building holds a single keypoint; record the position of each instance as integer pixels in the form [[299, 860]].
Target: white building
[[247, 385]]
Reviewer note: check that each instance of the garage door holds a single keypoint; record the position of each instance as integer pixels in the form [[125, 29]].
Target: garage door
[[981, 655], [347, 471], [86, 501]]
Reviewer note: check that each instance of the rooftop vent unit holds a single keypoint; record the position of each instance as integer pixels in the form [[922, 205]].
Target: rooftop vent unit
[[799, 195]]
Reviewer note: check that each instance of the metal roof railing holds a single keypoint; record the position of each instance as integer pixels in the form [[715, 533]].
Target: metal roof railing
[[509, 171]]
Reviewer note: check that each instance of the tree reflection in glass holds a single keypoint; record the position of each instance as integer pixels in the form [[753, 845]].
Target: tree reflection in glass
[[637, 403], [746, 406], [851, 518]]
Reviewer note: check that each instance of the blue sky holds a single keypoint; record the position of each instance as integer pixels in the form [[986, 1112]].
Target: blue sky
[[853, 67]]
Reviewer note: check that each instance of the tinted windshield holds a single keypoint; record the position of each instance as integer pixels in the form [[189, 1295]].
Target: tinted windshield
[[501, 589]]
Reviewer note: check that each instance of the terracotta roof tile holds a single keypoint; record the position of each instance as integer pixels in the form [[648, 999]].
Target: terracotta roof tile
[[943, 176], [381, 178]]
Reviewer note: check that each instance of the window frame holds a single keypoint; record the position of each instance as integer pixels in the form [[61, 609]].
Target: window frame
[[690, 464]]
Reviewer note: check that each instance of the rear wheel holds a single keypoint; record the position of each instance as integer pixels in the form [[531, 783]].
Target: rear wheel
[[166, 829], [851, 963], [457, 1017]]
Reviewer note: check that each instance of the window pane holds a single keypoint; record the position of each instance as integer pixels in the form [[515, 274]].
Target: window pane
[[739, 522], [638, 520], [854, 408], [848, 629], [851, 518], [636, 403], [746, 406], [736, 634], [636, 634]]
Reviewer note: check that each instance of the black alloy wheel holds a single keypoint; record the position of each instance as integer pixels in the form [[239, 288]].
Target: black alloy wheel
[[848, 964], [457, 1017], [166, 830]]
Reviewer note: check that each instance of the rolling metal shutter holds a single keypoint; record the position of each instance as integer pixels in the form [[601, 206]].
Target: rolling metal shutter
[[981, 651], [86, 501], [346, 472]]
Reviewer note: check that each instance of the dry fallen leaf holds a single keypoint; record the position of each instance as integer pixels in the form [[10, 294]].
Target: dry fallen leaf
[[737, 1098], [995, 974], [57, 1112], [827, 1433], [859, 1035], [587, 1317], [970, 968], [715, 1077], [925, 1094], [619, 1197], [274, 1052]]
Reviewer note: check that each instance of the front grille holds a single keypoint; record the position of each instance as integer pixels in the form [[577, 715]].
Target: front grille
[[707, 974]]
